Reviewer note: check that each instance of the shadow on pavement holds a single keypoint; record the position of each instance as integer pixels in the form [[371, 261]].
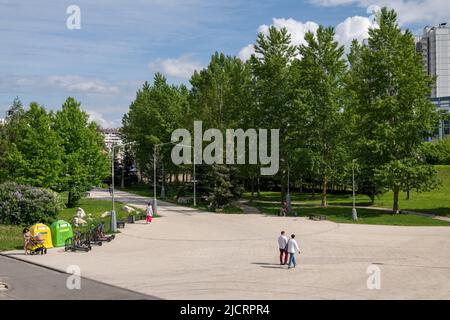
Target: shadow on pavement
[[266, 264]]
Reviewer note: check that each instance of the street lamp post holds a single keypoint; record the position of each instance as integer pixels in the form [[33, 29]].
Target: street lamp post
[[113, 222], [155, 205], [195, 181], [354, 213]]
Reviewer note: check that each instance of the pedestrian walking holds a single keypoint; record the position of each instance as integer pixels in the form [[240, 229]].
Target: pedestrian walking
[[292, 248], [282, 245], [149, 212]]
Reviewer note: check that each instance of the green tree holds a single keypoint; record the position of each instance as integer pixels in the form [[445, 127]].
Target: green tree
[[220, 93], [85, 162], [406, 175], [8, 129], [156, 112], [390, 103], [33, 156], [274, 90], [437, 152], [320, 101]]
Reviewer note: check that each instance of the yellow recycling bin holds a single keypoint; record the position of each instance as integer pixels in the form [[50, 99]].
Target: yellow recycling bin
[[45, 232]]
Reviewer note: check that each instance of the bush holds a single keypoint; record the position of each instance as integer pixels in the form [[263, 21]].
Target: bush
[[25, 205], [437, 152]]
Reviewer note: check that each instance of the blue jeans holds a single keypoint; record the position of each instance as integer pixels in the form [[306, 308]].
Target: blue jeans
[[292, 259]]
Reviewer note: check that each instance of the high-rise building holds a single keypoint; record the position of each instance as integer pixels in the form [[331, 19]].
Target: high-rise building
[[111, 137], [434, 46]]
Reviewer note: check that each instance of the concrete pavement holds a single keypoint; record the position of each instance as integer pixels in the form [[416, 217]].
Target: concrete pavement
[[187, 254]]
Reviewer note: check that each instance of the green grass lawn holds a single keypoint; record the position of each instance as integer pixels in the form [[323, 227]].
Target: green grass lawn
[[96, 208], [344, 215], [140, 190], [435, 202], [10, 237]]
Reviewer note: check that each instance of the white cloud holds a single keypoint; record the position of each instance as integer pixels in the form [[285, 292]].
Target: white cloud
[[330, 3], [24, 81], [82, 84], [182, 67], [99, 118], [409, 11], [352, 28], [246, 52], [296, 29]]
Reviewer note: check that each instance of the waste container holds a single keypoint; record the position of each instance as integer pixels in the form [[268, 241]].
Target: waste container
[[61, 231], [44, 230], [131, 218]]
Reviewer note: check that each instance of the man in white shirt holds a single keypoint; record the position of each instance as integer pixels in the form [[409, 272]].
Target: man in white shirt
[[282, 245], [292, 247]]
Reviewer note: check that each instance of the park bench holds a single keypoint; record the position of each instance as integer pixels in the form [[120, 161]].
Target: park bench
[[317, 217], [121, 224]]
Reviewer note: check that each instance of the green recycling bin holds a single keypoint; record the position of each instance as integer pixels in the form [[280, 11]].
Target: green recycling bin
[[61, 230]]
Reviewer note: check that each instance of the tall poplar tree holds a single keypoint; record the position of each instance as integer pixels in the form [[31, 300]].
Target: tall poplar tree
[[391, 107], [320, 101]]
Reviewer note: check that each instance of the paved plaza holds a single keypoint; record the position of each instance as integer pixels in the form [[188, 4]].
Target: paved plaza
[[186, 254]]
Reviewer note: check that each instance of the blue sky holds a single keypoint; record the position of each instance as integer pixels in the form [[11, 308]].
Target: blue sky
[[123, 43]]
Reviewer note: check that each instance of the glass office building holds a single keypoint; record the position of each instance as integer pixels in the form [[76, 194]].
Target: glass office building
[[444, 125], [434, 46]]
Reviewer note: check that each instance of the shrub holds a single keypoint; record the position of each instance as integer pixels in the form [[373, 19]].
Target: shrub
[[437, 152], [25, 205]]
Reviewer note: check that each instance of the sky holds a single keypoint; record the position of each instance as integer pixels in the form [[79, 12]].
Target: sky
[[122, 43]]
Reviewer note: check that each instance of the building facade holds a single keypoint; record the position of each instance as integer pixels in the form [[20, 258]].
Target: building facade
[[434, 46], [112, 137]]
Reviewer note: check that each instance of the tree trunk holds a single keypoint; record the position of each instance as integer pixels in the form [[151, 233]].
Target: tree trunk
[[259, 189], [324, 191], [252, 183], [283, 189], [72, 199], [396, 206]]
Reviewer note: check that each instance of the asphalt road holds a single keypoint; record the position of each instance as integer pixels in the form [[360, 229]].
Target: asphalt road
[[26, 281]]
